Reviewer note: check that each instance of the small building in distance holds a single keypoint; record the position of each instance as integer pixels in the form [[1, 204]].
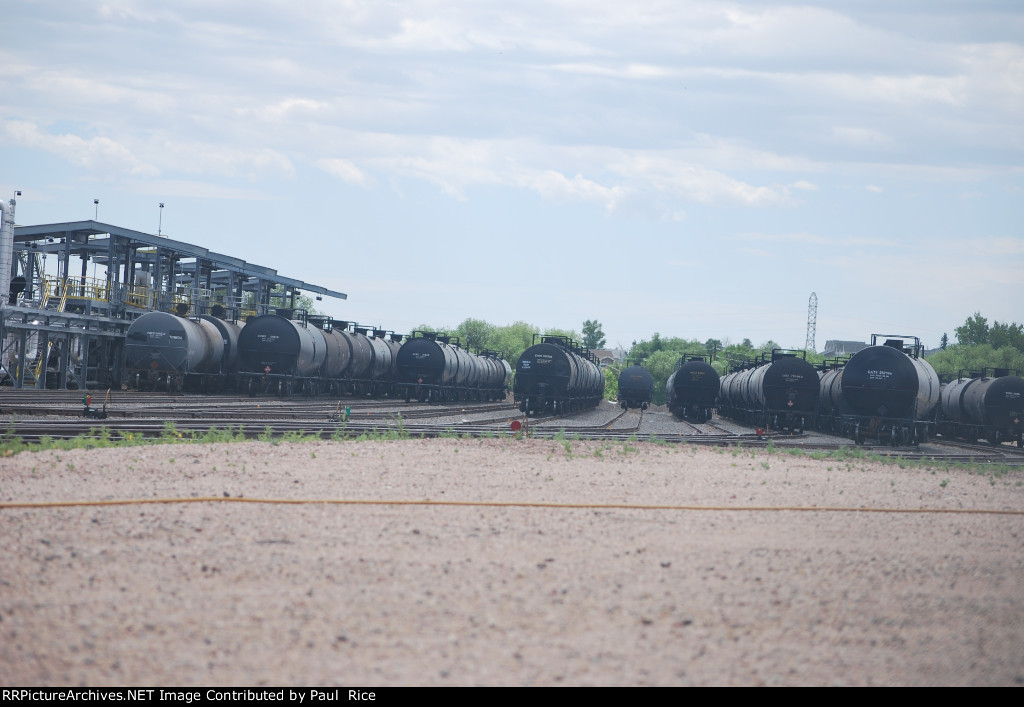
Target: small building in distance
[[607, 357], [836, 347]]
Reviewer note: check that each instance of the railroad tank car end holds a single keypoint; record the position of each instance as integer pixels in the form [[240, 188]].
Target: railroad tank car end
[[692, 389], [888, 392], [281, 355], [433, 367], [169, 352], [557, 375], [636, 387], [779, 393]]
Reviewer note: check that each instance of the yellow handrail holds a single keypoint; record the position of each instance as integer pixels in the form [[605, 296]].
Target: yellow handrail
[[42, 359], [75, 288]]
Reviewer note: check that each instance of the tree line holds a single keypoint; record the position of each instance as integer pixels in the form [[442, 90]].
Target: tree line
[[980, 346], [510, 340]]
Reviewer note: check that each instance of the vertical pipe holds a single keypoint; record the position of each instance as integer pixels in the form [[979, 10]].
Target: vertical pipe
[[6, 249]]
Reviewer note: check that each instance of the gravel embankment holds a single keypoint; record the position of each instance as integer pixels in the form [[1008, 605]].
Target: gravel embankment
[[237, 594]]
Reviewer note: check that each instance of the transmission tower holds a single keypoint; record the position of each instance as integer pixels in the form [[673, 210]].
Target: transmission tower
[[812, 321]]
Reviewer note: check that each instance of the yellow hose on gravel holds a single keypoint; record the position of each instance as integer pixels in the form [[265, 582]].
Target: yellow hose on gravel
[[494, 504]]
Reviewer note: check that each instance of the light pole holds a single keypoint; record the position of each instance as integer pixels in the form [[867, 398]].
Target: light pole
[[96, 215], [160, 226]]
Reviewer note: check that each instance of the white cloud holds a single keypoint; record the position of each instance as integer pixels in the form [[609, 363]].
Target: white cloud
[[844, 242], [98, 154], [289, 109], [554, 185], [167, 188], [344, 170], [803, 185], [862, 137]]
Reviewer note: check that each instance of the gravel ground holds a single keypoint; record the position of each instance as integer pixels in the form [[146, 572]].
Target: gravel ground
[[247, 594]]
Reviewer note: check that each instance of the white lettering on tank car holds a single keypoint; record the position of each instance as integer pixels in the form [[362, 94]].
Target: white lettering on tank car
[[879, 375]]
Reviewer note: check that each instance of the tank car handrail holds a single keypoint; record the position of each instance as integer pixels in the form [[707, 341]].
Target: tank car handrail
[[686, 356], [916, 350], [999, 372], [785, 353]]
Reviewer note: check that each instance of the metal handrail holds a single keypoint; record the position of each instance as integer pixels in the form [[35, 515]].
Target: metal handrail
[[75, 288]]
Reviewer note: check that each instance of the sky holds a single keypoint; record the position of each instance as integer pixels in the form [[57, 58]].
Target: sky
[[696, 169]]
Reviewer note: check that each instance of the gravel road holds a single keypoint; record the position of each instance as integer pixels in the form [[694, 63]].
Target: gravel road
[[727, 587]]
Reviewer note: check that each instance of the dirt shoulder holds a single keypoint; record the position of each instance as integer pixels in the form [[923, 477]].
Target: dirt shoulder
[[726, 587]]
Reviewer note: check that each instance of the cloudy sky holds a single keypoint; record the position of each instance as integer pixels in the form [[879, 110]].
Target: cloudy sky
[[691, 168]]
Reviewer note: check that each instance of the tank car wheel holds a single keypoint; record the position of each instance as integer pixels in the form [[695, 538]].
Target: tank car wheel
[[858, 438], [996, 438], [643, 406]]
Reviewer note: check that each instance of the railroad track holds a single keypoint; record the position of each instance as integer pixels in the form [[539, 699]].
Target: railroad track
[[178, 407], [152, 415]]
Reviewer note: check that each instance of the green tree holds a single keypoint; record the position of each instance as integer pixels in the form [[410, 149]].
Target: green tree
[[1006, 335], [512, 340], [648, 346], [713, 346], [974, 330], [973, 358], [611, 382], [661, 364], [593, 336], [475, 333], [944, 341]]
